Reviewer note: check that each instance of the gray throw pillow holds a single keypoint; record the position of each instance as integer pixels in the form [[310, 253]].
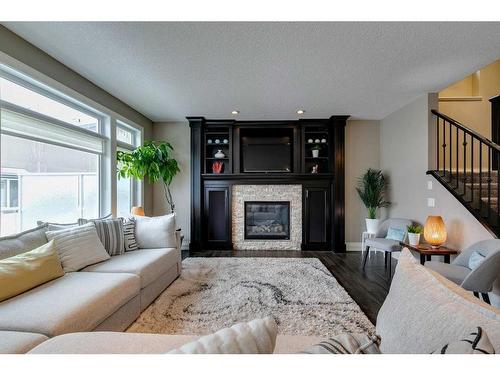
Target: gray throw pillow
[[130, 241], [347, 343], [110, 232]]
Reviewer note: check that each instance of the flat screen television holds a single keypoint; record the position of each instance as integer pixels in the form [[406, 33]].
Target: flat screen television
[[266, 154]]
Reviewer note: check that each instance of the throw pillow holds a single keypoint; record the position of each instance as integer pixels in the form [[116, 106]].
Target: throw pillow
[[22, 242], [347, 343], [155, 232], [476, 343], [395, 234], [110, 232], [56, 226], [28, 270], [129, 234], [255, 337], [475, 260], [82, 221], [78, 247]]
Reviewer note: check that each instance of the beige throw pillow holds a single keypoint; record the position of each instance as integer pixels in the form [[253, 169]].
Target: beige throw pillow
[[255, 337], [28, 270], [78, 247]]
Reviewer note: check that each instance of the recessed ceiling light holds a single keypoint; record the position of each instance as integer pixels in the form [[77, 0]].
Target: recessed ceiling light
[[301, 112], [235, 112]]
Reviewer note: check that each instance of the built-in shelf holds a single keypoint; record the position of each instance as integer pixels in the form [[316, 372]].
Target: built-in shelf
[[217, 158], [319, 157]]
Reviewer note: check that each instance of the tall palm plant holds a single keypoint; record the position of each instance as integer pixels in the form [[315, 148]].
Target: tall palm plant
[[371, 189], [153, 160]]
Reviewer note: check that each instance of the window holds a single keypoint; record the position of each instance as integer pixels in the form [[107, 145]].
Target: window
[[50, 160], [127, 139]]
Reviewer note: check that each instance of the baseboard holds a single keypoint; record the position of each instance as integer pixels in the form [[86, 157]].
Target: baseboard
[[353, 246]]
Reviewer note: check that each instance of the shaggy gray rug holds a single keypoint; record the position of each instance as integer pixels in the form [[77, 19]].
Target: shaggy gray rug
[[213, 293]]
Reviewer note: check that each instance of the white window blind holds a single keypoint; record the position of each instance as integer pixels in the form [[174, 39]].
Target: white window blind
[[22, 123]]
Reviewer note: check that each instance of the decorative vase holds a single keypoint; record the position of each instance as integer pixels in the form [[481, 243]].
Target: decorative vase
[[217, 141], [315, 153], [310, 140], [217, 167], [414, 239], [209, 141], [372, 225], [317, 141], [323, 140], [225, 141], [219, 155]]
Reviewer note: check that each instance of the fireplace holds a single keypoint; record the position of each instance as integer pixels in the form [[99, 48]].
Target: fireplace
[[265, 220]]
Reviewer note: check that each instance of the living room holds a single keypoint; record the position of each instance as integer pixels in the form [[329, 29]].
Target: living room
[[249, 188]]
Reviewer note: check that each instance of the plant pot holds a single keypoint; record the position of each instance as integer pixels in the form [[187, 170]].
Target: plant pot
[[315, 153], [372, 225], [414, 239], [219, 155]]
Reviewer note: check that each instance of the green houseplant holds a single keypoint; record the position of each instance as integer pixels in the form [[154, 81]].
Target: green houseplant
[[152, 160], [371, 189], [414, 232]]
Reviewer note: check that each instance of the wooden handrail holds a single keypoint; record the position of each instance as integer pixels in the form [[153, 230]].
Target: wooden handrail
[[471, 132]]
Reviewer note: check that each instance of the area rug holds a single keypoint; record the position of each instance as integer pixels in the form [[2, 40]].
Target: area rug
[[213, 293]]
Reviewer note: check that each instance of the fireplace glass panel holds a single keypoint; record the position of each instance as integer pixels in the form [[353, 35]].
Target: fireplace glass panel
[[267, 220]]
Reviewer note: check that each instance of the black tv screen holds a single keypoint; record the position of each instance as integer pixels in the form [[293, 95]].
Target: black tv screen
[[269, 154]]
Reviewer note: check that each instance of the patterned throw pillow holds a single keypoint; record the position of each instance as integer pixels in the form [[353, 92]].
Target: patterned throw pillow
[[129, 234], [395, 234], [476, 343], [110, 232], [347, 343]]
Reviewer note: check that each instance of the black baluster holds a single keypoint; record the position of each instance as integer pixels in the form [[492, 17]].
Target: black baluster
[[489, 182], [498, 187], [451, 149], [465, 162], [472, 167], [456, 165], [480, 176], [444, 148], [437, 143]]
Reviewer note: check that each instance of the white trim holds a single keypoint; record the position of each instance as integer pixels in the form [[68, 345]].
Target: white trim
[[353, 246]]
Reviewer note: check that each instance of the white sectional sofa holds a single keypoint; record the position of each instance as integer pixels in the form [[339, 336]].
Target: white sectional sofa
[[106, 296]]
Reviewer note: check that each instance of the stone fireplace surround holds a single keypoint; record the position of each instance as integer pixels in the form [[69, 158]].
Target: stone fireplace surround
[[286, 193]]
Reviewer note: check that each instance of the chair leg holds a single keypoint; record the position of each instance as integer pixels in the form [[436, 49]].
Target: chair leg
[[476, 294], [390, 265], [385, 259], [366, 256], [486, 298]]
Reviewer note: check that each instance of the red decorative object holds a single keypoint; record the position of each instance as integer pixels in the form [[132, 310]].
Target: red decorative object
[[217, 167]]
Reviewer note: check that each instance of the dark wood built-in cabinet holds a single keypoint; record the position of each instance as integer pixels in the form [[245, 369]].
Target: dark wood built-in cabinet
[[267, 152]]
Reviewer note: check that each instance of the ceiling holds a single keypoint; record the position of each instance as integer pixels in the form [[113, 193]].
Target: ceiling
[[168, 71]]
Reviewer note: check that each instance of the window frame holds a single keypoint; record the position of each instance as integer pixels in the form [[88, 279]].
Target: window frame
[[108, 119]]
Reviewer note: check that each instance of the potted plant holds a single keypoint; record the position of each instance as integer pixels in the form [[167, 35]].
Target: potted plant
[[315, 150], [371, 189], [153, 160], [414, 232]]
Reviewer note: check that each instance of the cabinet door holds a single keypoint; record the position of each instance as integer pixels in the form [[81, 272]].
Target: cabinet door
[[217, 217], [316, 218]]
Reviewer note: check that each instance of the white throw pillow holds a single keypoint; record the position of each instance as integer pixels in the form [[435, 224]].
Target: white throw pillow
[[155, 232], [78, 247], [255, 337]]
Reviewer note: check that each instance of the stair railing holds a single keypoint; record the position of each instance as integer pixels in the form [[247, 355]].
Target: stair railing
[[469, 162]]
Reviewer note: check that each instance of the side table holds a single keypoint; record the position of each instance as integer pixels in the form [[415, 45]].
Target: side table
[[427, 251]]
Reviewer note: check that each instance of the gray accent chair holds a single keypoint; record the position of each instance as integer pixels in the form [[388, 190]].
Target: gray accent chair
[[387, 245], [479, 279]]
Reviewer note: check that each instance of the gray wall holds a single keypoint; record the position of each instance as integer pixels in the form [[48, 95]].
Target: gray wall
[[23, 51], [362, 151], [404, 141]]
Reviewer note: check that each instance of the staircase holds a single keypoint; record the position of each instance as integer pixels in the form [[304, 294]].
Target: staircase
[[467, 165]]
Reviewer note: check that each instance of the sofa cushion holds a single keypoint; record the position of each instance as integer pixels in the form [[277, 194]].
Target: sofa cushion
[[78, 247], [145, 343], [475, 343], [12, 342], [78, 301], [148, 264], [154, 232], [110, 232], [383, 244], [28, 270], [22, 242], [424, 311]]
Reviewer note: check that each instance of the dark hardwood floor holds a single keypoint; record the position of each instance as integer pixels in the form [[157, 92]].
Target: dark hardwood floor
[[368, 288]]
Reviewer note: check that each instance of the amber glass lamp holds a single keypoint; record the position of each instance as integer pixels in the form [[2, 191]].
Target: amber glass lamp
[[435, 231], [138, 211]]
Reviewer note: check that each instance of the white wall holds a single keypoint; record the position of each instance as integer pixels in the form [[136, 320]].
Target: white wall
[[404, 145], [178, 134]]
